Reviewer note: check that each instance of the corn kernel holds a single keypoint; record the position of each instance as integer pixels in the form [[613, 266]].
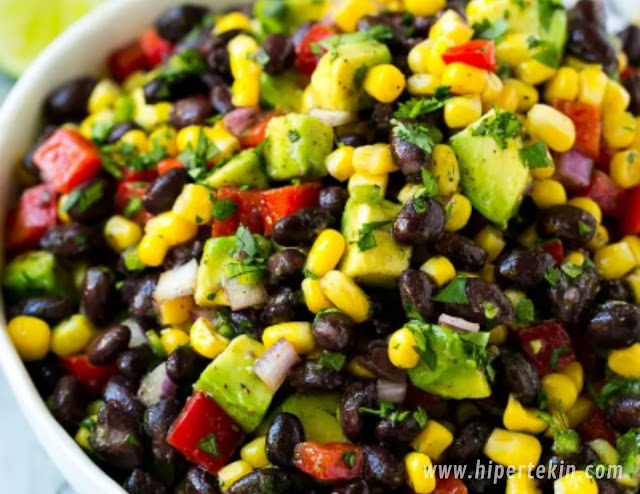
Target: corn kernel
[[618, 129], [575, 482], [425, 7], [440, 269], [120, 233], [176, 311], [507, 100], [459, 208], [172, 339], [418, 466], [513, 49], [401, 349], [384, 83], [625, 168], [152, 250], [520, 483], [579, 412], [72, 335], [173, 229], [616, 97], [600, 239], [374, 159], [433, 440], [491, 240], [246, 91], [534, 72], [561, 391], [93, 121], [297, 333], [445, 169], [464, 79], [575, 371], [104, 96], [633, 281], [527, 94], [343, 292], [82, 438], [565, 84], [254, 453], [231, 22], [514, 296], [164, 137], [450, 25], [408, 192], [63, 215], [137, 139], [233, 472], [419, 56], [626, 361], [547, 193], [357, 369], [205, 340], [326, 252], [613, 261], [30, 336], [593, 85], [493, 89], [435, 63], [633, 241], [340, 163], [241, 50], [194, 204], [555, 128], [576, 257], [423, 84], [499, 334], [544, 172], [349, 12], [529, 237], [512, 448], [358, 179], [636, 140], [314, 297], [461, 111], [518, 418], [588, 205]]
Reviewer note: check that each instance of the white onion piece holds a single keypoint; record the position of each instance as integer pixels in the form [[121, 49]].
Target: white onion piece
[[275, 364], [241, 119], [458, 323], [334, 118], [243, 296], [138, 334], [391, 391], [156, 386], [177, 282]]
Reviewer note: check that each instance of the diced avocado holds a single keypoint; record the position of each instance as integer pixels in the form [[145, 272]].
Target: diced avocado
[[285, 16], [457, 364], [244, 169], [36, 273], [545, 20], [316, 412], [337, 81], [232, 383], [212, 270], [297, 146], [382, 263], [282, 91], [494, 179]]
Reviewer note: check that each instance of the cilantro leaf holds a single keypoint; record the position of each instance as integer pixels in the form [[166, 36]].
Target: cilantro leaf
[[570, 269], [209, 445], [224, 208], [546, 11], [333, 361], [366, 238], [196, 158], [501, 126], [535, 156], [524, 311], [83, 198], [133, 206], [348, 458], [421, 417], [487, 30], [553, 276], [418, 107], [245, 243], [429, 190], [424, 136], [556, 354], [628, 446], [616, 388], [454, 292], [583, 228], [358, 77]]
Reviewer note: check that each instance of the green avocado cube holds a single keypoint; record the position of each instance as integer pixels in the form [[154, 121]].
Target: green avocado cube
[[285, 16], [36, 273], [244, 169], [282, 91]]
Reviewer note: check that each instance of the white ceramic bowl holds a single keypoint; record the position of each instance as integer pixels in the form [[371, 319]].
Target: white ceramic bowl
[[82, 49]]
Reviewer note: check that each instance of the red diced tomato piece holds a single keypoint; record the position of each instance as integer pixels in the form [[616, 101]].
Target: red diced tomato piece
[[596, 427], [477, 53], [450, 485], [167, 164], [93, 377], [554, 247], [247, 213], [139, 176], [631, 218], [126, 61], [586, 118], [205, 434], [606, 194], [155, 48], [547, 345], [283, 201], [256, 134], [307, 57], [66, 159], [35, 214], [128, 191], [329, 462]]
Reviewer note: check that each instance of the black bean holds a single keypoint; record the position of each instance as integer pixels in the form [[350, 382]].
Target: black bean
[[630, 37], [137, 294], [382, 468], [45, 374], [181, 86], [523, 268], [175, 23], [382, 116], [72, 240], [520, 377], [353, 139], [615, 290], [609, 487], [286, 305], [182, 254], [486, 303], [190, 111], [465, 254], [140, 482], [573, 226], [301, 228], [48, 307], [377, 361], [632, 84], [571, 297], [247, 321], [420, 222], [95, 200], [356, 487], [134, 363], [219, 62], [416, 289], [397, 432], [122, 390], [106, 347], [409, 157], [220, 97], [68, 102], [284, 433], [184, 365], [157, 420], [484, 484], [334, 332], [97, 294], [624, 414], [310, 376], [199, 481], [615, 325], [268, 480], [334, 199], [356, 396], [285, 267], [119, 130], [280, 53], [68, 401], [164, 190], [469, 441]]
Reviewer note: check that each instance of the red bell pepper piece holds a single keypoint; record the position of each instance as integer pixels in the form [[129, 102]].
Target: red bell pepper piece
[[257, 134], [555, 248], [596, 427], [283, 201], [450, 485], [35, 214], [479, 53], [247, 213], [606, 194], [631, 219], [586, 118], [155, 48], [148, 175], [167, 164], [93, 377], [66, 159], [128, 191], [307, 56], [547, 345], [329, 462], [204, 433], [126, 61]]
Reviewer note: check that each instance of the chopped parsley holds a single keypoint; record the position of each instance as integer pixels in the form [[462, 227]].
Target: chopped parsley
[[209, 445], [348, 458], [247, 260], [423, 136], [386, 410], [119, 155], [584, 229], [454, 292], [488, 30], [83, 198], [553, 276], [421, 417], [196, 158], [524, 311], [133, 206], [535, 156], [501, 126], [223, 209], [366, 238], [333, 361], [383, 411], [429, 190], [557, 352], [570, 269], [418, 107]]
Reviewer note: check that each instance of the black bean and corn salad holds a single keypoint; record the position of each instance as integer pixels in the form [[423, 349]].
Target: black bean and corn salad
[[320, 247]]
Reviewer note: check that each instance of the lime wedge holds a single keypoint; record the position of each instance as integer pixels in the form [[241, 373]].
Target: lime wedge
[[28, 26]]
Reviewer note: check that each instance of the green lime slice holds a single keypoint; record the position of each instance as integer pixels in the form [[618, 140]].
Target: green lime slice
[[28, 26]]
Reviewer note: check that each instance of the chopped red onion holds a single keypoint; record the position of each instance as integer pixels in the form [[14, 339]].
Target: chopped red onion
[[392, 391], [177, 282], [241, 119], [574, 169], [138, 333], [458, 323], [244, 296], [156, 386], [275, 364]]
